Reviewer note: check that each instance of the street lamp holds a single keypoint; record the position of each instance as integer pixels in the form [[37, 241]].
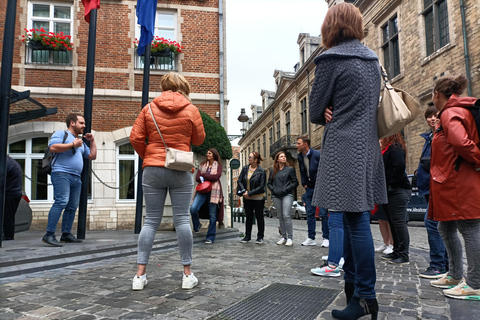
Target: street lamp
[[243, 118]]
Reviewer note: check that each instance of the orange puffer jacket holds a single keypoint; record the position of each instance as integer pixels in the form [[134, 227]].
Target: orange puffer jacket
[[178, 120]]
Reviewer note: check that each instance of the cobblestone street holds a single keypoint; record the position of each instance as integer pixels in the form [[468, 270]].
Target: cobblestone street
[[228, 272]]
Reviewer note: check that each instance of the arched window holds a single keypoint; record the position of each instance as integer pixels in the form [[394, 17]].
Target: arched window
[[127, 166]]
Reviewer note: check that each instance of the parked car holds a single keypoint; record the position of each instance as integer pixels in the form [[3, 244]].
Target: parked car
[[23, 216], [417, 206], [238, 211], [296, 212]]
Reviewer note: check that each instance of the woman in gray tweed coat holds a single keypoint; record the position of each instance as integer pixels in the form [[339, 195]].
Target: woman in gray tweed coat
[[351, 177]]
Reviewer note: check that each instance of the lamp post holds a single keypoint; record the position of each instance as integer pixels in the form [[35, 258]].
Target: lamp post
[[243, 118]]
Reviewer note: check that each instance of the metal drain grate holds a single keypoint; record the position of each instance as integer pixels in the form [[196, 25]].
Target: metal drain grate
[[280, 301]]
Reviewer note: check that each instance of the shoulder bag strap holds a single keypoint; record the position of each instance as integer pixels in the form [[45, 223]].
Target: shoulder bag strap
[[153, 118]]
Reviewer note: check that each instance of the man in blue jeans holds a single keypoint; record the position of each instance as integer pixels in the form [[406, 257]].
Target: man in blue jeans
[[438, 254], [308, 160], [67, 167]]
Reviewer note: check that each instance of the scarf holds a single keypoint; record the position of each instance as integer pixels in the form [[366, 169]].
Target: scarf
[[216, 193]]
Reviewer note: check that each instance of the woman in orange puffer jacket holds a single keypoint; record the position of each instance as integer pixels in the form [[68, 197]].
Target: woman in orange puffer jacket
[[181, 125]]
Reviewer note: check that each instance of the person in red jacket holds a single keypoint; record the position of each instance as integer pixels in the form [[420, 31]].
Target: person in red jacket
[[180, 123], [455, 186]]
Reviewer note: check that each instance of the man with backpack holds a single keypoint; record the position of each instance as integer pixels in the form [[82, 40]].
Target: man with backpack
[[67, 167]]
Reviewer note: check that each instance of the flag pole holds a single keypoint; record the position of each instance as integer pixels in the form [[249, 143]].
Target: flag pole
[[5, 89], [145, 90], [92, 34]]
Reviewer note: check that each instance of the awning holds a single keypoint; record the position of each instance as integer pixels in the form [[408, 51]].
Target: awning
[[32, 108]]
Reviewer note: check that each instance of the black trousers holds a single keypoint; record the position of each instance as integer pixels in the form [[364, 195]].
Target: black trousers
[[256, 206], [397, 217], [11, 205]]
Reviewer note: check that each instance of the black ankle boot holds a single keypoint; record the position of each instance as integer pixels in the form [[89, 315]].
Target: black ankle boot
[[349, 289], [357, 308]]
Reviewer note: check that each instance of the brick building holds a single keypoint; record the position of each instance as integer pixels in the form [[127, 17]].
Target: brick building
[[57, 79], [418, 41]]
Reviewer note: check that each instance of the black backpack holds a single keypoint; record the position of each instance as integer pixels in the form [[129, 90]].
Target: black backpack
[[49, 157]]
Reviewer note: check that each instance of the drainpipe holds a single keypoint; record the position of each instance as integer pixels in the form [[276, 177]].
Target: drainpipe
[[308, 100], [221, 56], [465, 45]]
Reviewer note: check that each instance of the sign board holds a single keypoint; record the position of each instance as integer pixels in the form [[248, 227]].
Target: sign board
[[234, 164]]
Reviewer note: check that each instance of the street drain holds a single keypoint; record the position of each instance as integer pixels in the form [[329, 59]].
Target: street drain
[[280, 301]]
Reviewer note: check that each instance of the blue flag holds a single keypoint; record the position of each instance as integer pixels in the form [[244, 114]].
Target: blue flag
[[146, 12]]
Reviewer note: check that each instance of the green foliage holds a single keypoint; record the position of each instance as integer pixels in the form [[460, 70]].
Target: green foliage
[[215, 137]]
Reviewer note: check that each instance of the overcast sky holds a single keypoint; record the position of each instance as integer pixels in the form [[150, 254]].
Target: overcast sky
[[261, 37]]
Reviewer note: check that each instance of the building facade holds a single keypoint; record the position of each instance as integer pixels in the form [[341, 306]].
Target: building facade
[[57, 79]]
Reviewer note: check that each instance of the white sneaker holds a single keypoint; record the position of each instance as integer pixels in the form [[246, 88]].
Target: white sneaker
[[289, 242], [282, 241], [381, 248], [309, 242], [325, 243], [138, 283], [388, 250], [189, 282]]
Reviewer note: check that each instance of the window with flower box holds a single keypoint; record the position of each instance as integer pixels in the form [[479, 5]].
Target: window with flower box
[[165, 27], [51, 18]]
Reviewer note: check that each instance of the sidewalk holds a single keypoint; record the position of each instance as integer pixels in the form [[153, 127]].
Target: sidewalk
[[92, 280]]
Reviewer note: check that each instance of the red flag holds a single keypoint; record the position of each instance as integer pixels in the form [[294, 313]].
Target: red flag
[[89, 5]]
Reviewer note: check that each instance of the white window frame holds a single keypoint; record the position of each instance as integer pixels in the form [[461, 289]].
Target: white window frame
[[131, 157]]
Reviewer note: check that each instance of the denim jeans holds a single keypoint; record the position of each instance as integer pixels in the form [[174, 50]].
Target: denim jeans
[[157, 182], [438, 253], [284, 206], [325, 230], [311, 221], [198, 202], [336, 246], [359, 254], [66, 191], [470, 230], [254, 207], [397, 217]]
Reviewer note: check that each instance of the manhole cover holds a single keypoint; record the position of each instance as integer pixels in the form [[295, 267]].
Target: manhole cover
[[280, 301]]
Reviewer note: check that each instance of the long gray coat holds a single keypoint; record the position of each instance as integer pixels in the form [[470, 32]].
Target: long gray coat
[[351, 176]]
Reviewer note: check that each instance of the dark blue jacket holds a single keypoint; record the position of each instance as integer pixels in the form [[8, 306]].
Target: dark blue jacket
[[14, 178], [423, 176], [314, 158]]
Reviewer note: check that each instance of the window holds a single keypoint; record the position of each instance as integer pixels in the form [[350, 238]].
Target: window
[[127, 166], [303, 115], [29, 154], [253, 148], [51, 17], [287, 122], [258, 146], [435, 14], [278, 130], [391, 52], [165, 27], [270, 135], [264, 144]]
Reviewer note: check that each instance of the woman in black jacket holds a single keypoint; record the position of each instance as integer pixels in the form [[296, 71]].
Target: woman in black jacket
[[399, 192], [282, 181], [251, 185]]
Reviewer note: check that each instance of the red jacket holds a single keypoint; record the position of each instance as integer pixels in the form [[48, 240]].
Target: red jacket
[[178, 120], [455, 195]]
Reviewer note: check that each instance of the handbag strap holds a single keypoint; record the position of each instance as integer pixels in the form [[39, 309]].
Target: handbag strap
[[153, 118]]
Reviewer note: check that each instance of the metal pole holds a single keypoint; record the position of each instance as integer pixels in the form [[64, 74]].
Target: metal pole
[[82, 209], [465, 46], [5, 88], [231, 196], [145, 88]]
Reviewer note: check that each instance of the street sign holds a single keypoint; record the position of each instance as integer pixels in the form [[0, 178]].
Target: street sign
[[234, 164]]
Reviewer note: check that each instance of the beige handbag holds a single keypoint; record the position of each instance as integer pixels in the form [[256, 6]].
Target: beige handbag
[[175, 159], [396, 109]]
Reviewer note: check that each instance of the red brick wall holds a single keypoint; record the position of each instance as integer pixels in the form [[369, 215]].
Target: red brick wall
[[104, 80], [48, 78]]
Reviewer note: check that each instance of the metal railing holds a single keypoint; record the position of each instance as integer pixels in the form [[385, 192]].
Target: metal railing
[[168, 62], [47, 56], [285, 142]]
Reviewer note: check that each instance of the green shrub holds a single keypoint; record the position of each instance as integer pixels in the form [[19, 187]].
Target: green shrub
[[215, 137]]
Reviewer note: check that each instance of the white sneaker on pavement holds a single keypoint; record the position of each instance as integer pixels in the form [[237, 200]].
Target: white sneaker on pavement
[[282, 241], [189, 282], [381, 248], [309, 242], [388, 250], [138, 283], [289, 242], [325, 243]]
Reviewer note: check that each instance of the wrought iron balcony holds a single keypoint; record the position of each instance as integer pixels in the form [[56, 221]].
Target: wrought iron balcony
[[48, 56], [287, 143], [158, 62]]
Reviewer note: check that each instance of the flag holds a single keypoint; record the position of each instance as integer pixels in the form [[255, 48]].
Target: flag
[[146, 12], [89, 5]]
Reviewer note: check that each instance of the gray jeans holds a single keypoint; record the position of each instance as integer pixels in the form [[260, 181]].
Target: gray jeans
[[157, 181], [470, 230], [284, 206]]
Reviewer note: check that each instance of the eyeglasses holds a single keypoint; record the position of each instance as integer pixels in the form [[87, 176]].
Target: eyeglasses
[[250, 158]]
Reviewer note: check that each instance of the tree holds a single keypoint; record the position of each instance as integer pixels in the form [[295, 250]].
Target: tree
[[215, 137]]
